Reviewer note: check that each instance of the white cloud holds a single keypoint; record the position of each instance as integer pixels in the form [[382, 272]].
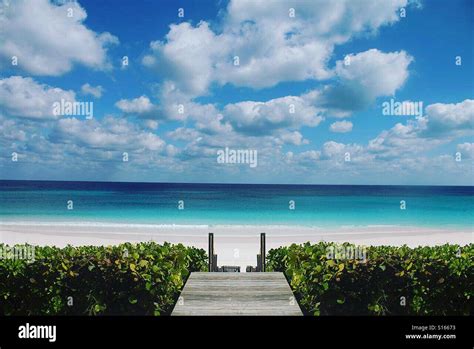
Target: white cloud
[[331, 160], [441, 124], [25, 98], [188, 56], [466, 150], [140, 105], [307, 158], [337, 151], [341, 126], [449, 118], [338, 20], [173, 106], [110, 133], [294, 138], [369, 75], [378, 72], [11, 132], [256, 118], [402, 139], [95, 91], [271, 46], [34, 31], [152, 124]]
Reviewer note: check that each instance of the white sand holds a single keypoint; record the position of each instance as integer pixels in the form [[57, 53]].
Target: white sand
[[234, 245]]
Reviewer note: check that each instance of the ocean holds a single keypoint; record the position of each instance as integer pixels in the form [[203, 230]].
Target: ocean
[[236, 204]]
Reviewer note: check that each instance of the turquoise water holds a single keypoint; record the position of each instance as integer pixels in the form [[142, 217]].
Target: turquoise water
[[214, 204]]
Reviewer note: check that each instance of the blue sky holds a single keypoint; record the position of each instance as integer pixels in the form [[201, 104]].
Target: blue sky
[[307, 95]]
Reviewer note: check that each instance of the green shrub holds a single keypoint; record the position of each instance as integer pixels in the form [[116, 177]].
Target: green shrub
[[391, 281], [127, 279]]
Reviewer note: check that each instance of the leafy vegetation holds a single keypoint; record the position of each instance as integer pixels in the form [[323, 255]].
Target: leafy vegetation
[[391, 281], [127, 279]]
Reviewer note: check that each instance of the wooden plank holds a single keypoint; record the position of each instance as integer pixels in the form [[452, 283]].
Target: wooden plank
[[237, 294]]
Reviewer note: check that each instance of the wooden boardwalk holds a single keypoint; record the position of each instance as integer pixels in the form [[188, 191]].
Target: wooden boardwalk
[[236, 294]]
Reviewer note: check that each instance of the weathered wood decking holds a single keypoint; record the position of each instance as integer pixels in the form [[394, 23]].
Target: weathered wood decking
[[236, 294]]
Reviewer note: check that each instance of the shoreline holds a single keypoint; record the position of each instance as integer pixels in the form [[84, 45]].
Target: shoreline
[[234, 244]]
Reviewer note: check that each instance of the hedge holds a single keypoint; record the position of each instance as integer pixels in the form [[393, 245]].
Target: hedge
[[127, 279], [391, 281]]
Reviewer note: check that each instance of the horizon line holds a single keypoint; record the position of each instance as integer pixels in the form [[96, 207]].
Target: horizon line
[[213, 183]]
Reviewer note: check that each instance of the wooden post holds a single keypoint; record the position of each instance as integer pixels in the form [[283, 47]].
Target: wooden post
[[262, 251], [211, 252]]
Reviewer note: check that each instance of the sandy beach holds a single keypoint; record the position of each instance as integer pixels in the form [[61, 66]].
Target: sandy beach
[[234, 244]]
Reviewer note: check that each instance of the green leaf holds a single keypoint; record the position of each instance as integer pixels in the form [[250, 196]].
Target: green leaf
[[133, 300]]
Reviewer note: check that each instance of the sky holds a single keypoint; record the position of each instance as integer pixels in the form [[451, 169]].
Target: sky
[[308, 88]]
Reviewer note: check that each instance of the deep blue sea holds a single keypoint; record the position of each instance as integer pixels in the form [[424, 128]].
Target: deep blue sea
[[215, 204]]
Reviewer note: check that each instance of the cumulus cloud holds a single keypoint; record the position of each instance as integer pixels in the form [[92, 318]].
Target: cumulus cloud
[[26, 98], [172, 106], [341, 126], [331, 160], [402, 139], [338, 20], [441, 124], [378, 72], [400, 149], [187, 56], [466, 150], [371, 74], [95, 91], [109, 133], [33, 31], [201, 145], [260, 45], [72, 149], [258, 118], [294, 138], [11, 132], [139, 106], [335, 150], [152, 124], [307, 158], [450, 118], [270, 47], [367, 75]]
